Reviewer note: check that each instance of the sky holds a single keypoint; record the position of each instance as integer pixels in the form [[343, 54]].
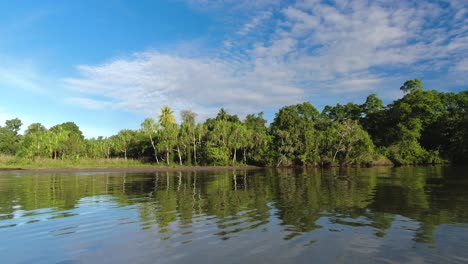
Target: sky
[[107, 65]]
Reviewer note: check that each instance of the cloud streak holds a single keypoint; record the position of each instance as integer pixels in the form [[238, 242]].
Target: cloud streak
[[145, 82], [307, 50]]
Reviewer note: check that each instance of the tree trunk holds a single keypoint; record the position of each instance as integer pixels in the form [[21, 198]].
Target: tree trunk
[[187, 155], [125, 154], [180, 157], [167, 156], [195, 152], [245, 158], [339, 148], [234, 158], [334, 156], [156, 156], [279, 162], [155, 150]]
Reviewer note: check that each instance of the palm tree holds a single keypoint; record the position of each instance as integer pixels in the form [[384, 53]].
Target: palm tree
[[167, 116]]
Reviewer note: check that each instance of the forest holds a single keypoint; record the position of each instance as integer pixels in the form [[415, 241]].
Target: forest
[[422, 127]]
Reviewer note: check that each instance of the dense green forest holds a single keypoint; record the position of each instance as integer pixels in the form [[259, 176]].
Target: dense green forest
[[423, 127]]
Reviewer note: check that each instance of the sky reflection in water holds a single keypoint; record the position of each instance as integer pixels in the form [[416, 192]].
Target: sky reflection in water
[[410, 214]]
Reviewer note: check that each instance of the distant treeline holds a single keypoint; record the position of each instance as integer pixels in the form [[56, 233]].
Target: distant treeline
[[423, 127]]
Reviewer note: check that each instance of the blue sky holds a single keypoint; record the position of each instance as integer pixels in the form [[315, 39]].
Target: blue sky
[[106, 65]]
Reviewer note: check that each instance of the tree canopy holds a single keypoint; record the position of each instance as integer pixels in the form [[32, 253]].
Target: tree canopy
[[422, 127]]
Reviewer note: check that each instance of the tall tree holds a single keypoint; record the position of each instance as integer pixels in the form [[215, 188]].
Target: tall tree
[[13, 125], [167, 116], [123, 141], [187, 136], [412, 86], [150, 128], [34, 142], [9, 137], [168, 132], [257, 150], [289, 131], [73, 144]]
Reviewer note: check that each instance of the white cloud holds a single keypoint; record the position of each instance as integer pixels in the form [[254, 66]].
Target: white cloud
[[148, 81], [462, 66], [255, 22], [310, 48], [91, 103], [357, 84]]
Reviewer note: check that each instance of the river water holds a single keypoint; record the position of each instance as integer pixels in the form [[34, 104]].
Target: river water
[[368, 215]]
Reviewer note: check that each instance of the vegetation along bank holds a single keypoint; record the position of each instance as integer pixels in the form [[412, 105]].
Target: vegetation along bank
[[423, 127]]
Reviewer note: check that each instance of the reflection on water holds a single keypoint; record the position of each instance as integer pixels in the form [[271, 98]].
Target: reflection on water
[[409, 214]]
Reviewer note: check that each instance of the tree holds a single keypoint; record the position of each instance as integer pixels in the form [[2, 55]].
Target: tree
[[372, 105], [200, 135], [57, 139], [224, 115], [13, 125], [99, 147], [448, 135], [291, 130], [35, 128], [150, 128], [9, 137], [167, 116], [188, 117], [219, 145], [238, 139], [168, 132], [123, 141], [187, 136], [34, 142], [257, 149], [72, 145], [373, 119], [412, 86], [343, 112], [217, 148], [352, 142]]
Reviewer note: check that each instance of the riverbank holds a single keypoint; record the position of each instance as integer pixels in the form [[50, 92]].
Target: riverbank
[[45, 165], [127, 169]]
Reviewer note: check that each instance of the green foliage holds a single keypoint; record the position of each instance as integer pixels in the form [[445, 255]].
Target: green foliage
[[258, 140], [9, 137], [217, 155], [150, 129], [292, 131], [422, 127], [167, 116], [412, 86], [372, 105], [343, 112]]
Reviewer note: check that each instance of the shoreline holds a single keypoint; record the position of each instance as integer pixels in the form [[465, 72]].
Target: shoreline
[[128, 169]]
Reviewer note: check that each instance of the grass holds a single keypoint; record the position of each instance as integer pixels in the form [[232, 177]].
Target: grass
[[11, 162]]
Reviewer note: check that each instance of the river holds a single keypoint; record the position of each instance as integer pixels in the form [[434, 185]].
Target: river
[[354, 215]]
